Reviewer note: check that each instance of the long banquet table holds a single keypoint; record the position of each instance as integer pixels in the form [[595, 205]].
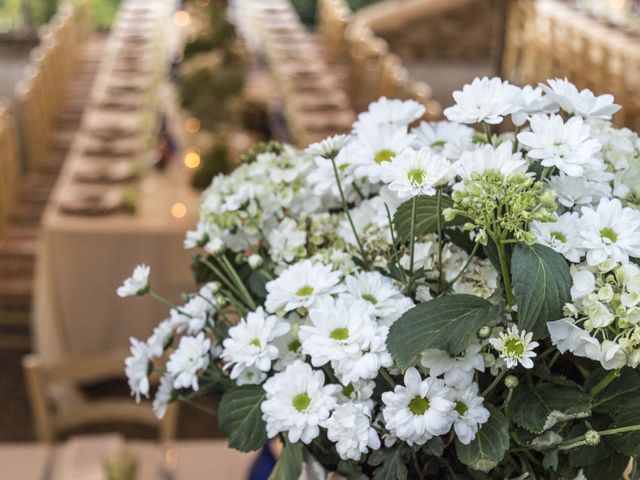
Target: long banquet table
[[82, 258], [82, 459]]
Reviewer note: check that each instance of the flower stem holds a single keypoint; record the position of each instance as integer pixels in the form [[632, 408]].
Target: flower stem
[[506, 275], [238, 281], [602, 384], [394, 246], [440, 242], [160, 299], [416, 465], [487, 132], [464, 267], [388, 378], [197, 406], [414, 208], [222, 277], [346, 210], [493, 384], [579, 441]]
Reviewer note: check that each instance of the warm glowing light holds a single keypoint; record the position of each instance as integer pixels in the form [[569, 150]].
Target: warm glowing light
[[618, 3], [178, 210], [192, 125], [181, 18], [192, 159]]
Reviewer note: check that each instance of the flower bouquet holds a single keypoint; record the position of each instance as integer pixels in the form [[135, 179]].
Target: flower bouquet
[[421, 301]]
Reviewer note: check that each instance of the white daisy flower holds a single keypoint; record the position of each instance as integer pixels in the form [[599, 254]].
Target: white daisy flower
[[531, 102], [297, 402], [250, 342], [458, 370], [366, 364], [193, 315], [562, 235], [349, 427], [583, 103], [339, 329], [610, 231], [567, 146], [574, 191], [301, 285], [515, 347], [329, 147], [386, 111], [287, 241], [137, 283], [484, 100], [413, 173], [469, 413], [357, 392], [446, 138], [419, 410], [379, 291], [137, 368], [158, 340], [163, 396], [251, 376], [487, 158], [323, 180], [191, 356], [378, 145]]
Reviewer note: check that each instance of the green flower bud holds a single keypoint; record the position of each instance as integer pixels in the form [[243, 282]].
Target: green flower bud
[[449, 214], [221, 300], [592, 438], [484, 332], [511, 382]]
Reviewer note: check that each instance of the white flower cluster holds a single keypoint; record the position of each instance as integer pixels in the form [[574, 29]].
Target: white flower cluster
[[325, 274], [603, 321]]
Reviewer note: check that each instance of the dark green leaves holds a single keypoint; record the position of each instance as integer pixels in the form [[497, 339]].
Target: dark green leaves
[[448, 323], [627, 415], [539, 409], [541, 284], [390, 463], [621, 390], [289, 466], [426, 216], [490, 444], [241, 419]]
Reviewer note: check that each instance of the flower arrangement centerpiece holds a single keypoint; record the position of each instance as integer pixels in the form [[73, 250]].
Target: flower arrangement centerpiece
[[421, 301]]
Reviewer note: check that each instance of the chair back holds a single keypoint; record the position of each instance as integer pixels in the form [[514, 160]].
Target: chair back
[[52, 419]]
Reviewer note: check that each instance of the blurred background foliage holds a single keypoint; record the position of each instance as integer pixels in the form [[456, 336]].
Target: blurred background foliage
[[30, 14]]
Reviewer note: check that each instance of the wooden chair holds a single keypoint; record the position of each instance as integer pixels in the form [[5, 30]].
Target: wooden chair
[[50, 422]]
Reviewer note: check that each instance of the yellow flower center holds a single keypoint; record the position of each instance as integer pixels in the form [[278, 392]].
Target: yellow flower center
[[384, 155], [340, 334], [304, 291], [370, 298], [609, 235], [418, 405], [301, 401], [461, 408], [417, 176], [514, 347]]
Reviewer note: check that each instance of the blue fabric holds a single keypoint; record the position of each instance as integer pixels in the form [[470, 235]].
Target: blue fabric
[[262, 467]]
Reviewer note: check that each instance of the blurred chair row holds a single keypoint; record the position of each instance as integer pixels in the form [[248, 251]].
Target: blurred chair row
[[35, 132], [549, 38], [72, 409], [371, 70]]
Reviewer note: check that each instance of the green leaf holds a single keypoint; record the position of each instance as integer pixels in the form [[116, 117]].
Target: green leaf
[[289, 465], [390, 463], [627, 443], [426, 216], [621, 390], [448, 323], [611, 467], [241, 419], [541, 284], [491, 443], [539, 409]]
